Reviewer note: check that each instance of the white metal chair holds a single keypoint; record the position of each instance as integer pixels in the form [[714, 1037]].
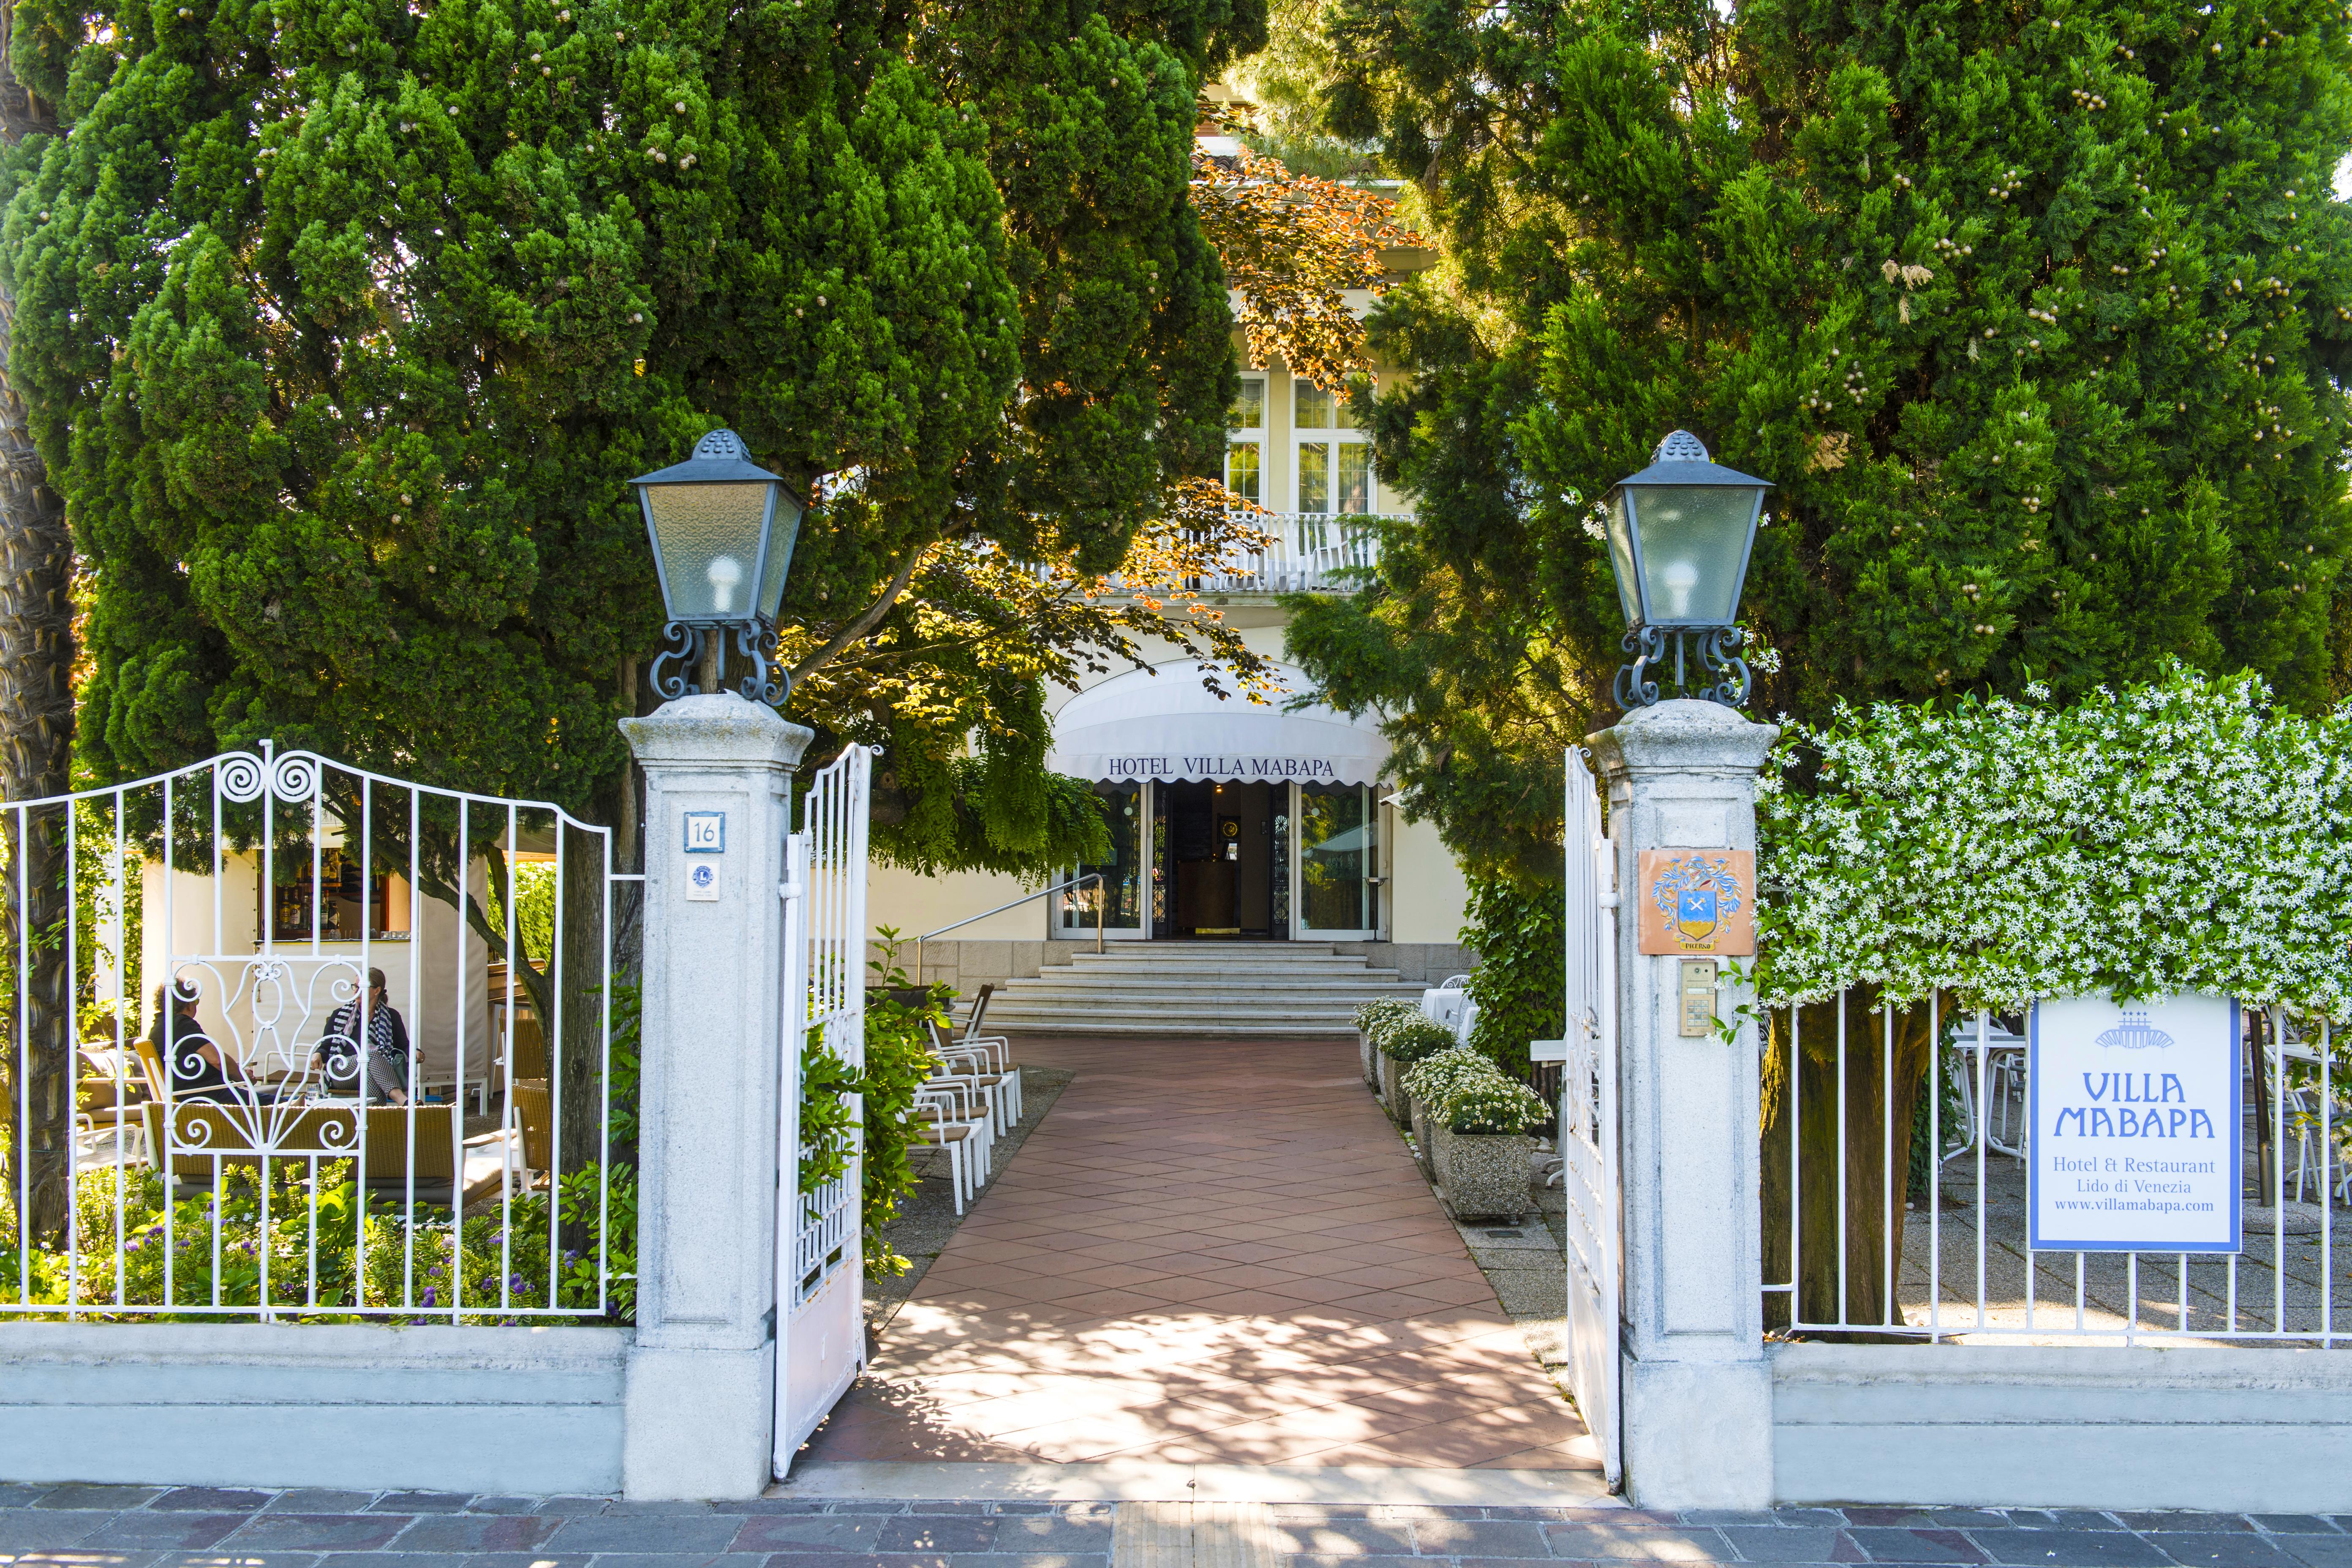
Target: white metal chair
[[964, 1136], [975, 1068], [1444, 1003], [997, 1050], [2298, 1112]]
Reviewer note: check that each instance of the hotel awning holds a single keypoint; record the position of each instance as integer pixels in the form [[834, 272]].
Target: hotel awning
[[1162, 723]]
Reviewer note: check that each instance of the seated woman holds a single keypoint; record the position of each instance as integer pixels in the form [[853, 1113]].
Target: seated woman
[[198, 1068], [339, 1060]]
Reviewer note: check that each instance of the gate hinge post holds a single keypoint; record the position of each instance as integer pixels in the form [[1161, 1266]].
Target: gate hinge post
[[1696, 1411], [699, 1390]]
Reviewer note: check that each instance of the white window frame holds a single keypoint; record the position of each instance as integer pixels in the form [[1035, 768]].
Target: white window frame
[[1334, 439], [1258, 437]]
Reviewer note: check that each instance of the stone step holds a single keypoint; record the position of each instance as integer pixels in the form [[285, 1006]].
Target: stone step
[[1150, 975], [1179, 1030], [1199, 989], [1187, 986], [1145, 1011]]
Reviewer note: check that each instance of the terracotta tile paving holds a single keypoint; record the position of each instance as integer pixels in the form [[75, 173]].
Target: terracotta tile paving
[[1207, 1253]]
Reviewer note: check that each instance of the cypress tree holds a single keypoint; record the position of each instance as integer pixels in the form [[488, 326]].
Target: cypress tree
[[37, 723], [2036, 310], [345, 322], [2037, 313]]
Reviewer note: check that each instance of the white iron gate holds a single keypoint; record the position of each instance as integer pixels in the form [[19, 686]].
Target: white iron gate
[[1588, 1117], [820, 1269], [214, 1114]]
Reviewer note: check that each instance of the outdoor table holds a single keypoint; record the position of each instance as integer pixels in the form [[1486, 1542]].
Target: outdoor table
[[2004, 1067]]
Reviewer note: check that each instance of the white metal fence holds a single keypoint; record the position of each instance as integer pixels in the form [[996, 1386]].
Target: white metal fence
[[269, 1135], [1895, 1198]]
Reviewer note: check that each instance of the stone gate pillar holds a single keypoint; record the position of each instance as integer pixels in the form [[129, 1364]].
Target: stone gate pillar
[[1697, 1415], [701, 1379]]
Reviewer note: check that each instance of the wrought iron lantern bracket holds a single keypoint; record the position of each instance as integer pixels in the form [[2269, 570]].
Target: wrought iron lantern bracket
[[691, 646], [1718, 654]]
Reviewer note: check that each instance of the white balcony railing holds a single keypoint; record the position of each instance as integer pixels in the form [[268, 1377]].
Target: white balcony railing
[[1311, 552]]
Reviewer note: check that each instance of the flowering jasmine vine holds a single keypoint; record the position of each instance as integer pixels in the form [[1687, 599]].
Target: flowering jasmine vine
[[2182, 836]]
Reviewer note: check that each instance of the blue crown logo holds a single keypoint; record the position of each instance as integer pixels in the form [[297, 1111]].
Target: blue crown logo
[[2135, 1033]]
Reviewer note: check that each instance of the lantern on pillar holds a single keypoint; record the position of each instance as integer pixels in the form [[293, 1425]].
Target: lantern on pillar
[[723, 530], [1680, 533]]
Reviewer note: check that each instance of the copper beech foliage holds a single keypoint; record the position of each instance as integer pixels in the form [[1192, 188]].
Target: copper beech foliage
[[1292, 244]]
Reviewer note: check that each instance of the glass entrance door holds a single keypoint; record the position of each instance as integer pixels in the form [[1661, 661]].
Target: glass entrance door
[[1337, 858], [1125, 891]]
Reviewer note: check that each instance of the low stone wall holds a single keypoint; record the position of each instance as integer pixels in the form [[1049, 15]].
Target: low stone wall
[[968, 965], [2251, 1431], [258, 1404]]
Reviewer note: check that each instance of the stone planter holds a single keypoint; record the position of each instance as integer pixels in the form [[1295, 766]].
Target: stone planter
[[1392, 1093], [1483, 1175], [1422, 1128], [1370, 1059]]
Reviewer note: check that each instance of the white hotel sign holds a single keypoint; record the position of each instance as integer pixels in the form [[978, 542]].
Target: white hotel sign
[[2136, 1116]]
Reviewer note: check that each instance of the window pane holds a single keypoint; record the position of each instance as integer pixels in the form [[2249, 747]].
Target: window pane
[[1355, 477], [1248, 412], [1314, 477], [1310, 406], [1334, 856], [1342, 417], [1240, 469]]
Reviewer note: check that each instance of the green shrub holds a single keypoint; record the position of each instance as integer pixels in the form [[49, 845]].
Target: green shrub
[[369, 1252], [898, 1061], [1381, 1011], [1413, 1038], [1519, 930]]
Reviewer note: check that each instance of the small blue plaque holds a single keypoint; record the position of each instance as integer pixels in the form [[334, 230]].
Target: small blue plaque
[[706, 832]]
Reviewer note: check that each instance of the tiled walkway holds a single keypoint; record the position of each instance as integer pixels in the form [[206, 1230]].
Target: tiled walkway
[[1207, 1253]]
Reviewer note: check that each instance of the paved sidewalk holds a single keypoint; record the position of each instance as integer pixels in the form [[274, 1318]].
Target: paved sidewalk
[[1211, 1252], [150, 1527]]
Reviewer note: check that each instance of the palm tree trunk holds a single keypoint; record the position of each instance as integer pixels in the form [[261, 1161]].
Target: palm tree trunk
[[37, 719]]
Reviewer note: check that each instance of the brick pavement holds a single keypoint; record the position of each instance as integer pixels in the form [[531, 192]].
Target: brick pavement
[[85, 1526], [1211, 1252]]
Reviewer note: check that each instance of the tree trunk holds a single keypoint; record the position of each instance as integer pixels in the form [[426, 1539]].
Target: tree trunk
[[1883, 1084], [581, 987], [36, 743]]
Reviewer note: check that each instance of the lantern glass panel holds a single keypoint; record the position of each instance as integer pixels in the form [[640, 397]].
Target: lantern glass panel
[[785, 532], [709, 537], [1620, 553], [1693, 545]]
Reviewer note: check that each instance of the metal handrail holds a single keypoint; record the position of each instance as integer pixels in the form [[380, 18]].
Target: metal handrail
[[1059, 887]]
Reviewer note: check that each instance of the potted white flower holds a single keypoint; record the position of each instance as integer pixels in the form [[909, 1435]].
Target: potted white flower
[[1401, 1043], [1371, 1018], [1427, 1084], [1479, 1146]]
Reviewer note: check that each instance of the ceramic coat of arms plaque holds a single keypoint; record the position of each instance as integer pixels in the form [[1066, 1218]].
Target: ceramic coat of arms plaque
[[1698, 901]]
